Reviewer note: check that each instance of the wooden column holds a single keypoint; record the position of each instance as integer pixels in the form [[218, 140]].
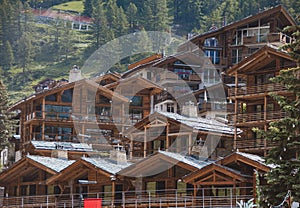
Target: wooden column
[[145, 141], [43, 118], [254, 185], [265, 124], [235, 111], [113, 190], [167, 138], [83, 133], [190, 144], [131, 147]]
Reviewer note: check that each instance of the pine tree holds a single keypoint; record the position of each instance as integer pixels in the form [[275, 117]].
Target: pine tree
[[131, 13], [101, 32], [25, 51], [6, 123], [7, 56], [88, 8], [286, 133]]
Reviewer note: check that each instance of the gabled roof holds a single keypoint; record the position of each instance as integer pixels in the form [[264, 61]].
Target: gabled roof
[[190, 58], [193, 123], [107, 92], [254, 161], [55, 164], [215, 174], [262, 56], [113, 76], [161, 161], [28, 164], [278, 11], [134, 82], [106, 167]]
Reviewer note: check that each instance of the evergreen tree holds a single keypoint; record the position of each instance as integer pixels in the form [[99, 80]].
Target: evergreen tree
[[131, 13], [88, 8], [286, 133], [6, 123], [25, 51], [101, 33], [7, 56], [122, 23]]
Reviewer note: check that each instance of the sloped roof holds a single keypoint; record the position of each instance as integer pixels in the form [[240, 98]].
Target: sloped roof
[[255, 161], [70, 146], [161, 161], [30, 163], [269, 12], [197, 163], [263, 54], [199, 123], [212, 171], [106, 164], [55, 164]]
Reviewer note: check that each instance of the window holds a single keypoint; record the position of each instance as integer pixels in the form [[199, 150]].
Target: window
[[210, 76], [236, 56], [214, 56], [170, 107], [51, 98], [67, 96], [149, 75], [136, 101], [183, 73]]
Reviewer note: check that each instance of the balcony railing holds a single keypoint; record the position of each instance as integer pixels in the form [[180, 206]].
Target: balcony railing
[[270, 38], [272, 87], [218, 107], [68, 117], [144, 198], [255, 117], [254, 144]]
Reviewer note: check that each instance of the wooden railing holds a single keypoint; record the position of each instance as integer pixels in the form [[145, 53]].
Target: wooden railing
[[254, 143], [272, 87], [255, 117]]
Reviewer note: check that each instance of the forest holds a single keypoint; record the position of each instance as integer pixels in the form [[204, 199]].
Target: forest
[[31, 51]]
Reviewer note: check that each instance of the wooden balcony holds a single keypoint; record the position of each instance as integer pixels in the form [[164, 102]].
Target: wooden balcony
[[251, 144], [218, 107], [255, 117], [69, 117], [279, 38], [247, 91]]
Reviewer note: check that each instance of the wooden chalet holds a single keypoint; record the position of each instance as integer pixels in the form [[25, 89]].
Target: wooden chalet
[[90, 177], [176, 133], [254, 107], [160, 175], [228, 45], [237, 171], [28, 176]]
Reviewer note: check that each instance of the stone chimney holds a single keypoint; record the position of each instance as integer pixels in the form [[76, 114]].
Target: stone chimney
[[75, 74], [118, 154], [189, 109], [59, 152]]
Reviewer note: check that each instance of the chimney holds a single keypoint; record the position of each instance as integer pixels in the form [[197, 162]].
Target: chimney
[[118, 154], [59, 152], [189, 109], [75, 74]]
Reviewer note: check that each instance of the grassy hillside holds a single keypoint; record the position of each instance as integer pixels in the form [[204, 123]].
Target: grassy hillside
[[75, 6]]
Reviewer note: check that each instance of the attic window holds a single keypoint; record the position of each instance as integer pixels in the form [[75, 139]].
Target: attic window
[[51, 98], [67, 96]]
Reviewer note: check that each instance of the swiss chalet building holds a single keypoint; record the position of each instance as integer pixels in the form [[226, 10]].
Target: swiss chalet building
[[133, 136]]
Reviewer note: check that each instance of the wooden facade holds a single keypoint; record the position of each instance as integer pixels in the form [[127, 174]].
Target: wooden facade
[[254, 107], [166, 147]]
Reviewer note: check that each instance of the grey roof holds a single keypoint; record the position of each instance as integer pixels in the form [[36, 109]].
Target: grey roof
[[55, 164], [62, 145], [202, 124], [106, 164], [256, 158], [198, 163]]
